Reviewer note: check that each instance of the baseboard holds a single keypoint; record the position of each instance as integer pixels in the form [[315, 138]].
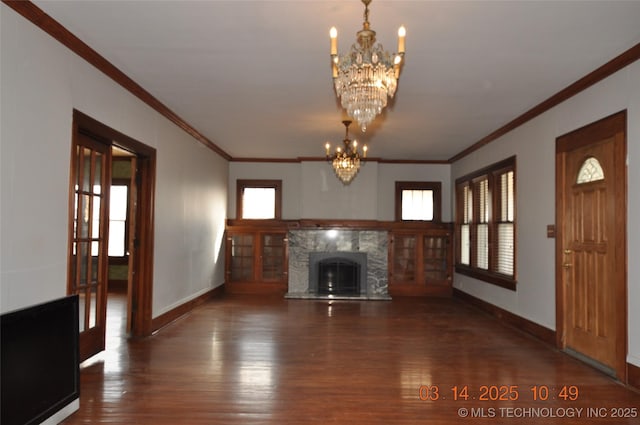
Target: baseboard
[[179, 311], [546, 335], [633, 376]]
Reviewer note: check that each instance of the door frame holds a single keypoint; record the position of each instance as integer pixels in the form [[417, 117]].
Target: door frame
[[141, 289], [612, 126]]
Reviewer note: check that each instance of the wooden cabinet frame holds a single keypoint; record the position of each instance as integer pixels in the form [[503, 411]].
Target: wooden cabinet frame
[[417, 283], [257, 282]]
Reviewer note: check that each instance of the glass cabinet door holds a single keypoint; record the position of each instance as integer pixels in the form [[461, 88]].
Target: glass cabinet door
[[404, 258], [273, 256], [435, 253], [242, 257]]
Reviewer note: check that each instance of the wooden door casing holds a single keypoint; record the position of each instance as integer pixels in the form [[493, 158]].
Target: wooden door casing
[[141, 231]]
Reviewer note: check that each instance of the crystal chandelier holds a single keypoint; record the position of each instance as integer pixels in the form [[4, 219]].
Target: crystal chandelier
[[367, 75], [346, 161]]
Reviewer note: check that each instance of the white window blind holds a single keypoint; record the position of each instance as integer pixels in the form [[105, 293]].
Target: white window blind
[[482, 237], [465, 235], [505, 249], [505, 234]]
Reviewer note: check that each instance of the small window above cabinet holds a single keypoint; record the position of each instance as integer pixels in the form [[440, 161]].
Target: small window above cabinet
[[418, 201]]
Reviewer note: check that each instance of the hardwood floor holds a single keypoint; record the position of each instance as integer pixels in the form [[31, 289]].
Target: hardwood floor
[[261, 360]]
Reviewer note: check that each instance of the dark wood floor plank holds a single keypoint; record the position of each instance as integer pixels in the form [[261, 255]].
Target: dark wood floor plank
[[264, 360]]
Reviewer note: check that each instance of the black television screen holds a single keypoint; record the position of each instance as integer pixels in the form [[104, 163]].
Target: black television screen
[[39, 369]]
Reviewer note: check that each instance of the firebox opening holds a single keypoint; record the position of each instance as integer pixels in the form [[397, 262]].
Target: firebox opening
[[338, 276]]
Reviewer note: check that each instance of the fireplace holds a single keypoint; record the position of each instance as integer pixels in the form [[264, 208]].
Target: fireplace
[[366, 248], [340, 274]]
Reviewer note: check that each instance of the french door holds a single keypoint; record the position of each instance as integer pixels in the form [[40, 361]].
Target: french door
[[88, 227]]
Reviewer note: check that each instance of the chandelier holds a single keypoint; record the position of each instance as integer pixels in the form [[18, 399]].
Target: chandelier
[[346, 161], [367, 75]]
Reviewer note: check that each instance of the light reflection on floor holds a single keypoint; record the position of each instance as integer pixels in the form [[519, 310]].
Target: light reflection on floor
[[116, 334]]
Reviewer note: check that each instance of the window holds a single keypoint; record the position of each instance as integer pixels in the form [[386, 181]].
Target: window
[[482, 227], [590, 171], [505, 224], [259, 199], [485, 224], [419, 201], [465, 234], [118, 201]]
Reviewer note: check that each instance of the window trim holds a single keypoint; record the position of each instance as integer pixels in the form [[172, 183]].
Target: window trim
[[436, 187], [241, 185], [492, 173]]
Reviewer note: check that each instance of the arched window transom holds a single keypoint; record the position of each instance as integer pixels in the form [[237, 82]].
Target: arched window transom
[[590, 171]]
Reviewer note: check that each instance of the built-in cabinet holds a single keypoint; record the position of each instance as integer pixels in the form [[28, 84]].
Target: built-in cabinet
[[420, 257], [421, 261], [256, 260]]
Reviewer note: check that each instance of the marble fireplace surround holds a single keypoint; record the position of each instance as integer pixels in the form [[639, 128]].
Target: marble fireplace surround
[[303, 242]]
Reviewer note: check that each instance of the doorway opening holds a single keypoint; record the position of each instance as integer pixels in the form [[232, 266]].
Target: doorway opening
[[122, 205], [111, 232]]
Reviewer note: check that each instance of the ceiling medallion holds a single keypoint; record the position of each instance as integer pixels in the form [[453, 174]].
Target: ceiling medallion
[[346, 161], [367, 75]]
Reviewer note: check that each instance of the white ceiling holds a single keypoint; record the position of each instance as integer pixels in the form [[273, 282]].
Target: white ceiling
[[255, 78]]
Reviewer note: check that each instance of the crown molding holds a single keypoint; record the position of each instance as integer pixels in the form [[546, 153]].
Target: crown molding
[[609, 68], [291, 160], [52, 27], [56, 30], [414, 161], [324, 159]]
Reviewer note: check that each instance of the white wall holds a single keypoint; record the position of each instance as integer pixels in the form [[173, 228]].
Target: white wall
[[324, 196], [42, 82], [312, 191], [534, 145]]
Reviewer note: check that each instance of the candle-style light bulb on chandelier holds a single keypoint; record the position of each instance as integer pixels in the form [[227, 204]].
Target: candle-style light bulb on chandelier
[[346, 160], [366, 76]]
